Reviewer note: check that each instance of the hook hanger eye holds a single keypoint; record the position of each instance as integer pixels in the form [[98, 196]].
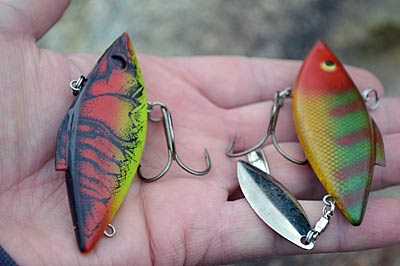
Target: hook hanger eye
[[76, 85], [366, 94], [166, 118]]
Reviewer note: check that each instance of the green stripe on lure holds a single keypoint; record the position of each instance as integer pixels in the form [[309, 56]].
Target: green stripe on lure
[[340, 140], [101, 140]]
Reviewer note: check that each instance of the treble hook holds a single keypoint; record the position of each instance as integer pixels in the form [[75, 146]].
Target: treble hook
[[278, 103], [172, 154]]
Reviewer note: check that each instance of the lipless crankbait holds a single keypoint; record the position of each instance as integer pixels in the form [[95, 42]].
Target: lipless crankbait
[[341, 141], [101, 140]]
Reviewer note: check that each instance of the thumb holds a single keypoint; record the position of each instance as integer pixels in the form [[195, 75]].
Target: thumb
[[31, 18]]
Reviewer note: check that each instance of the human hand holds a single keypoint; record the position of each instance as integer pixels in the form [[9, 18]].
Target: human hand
[[180, 219]]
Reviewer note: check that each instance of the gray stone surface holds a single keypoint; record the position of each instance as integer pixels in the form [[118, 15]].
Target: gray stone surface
[[362, 33]]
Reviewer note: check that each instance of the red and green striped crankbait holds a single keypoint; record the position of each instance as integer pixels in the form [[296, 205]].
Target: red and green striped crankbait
[[340, 140], [101, 140]]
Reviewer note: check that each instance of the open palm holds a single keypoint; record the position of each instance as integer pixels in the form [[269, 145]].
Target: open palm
[[180, 219]]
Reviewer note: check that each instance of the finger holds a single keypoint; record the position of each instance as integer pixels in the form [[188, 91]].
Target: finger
[[241, 234], [378, 229], [302, 182], [31, 18], [246, 123], [388, 176], [385, 116], [235, 81], [250, 123]]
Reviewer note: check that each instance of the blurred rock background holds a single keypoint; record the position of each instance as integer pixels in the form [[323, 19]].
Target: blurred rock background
[[362, 33]]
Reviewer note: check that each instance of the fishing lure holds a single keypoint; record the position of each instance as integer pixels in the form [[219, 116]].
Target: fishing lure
[[101, 140], [272, 202], [341, 141]]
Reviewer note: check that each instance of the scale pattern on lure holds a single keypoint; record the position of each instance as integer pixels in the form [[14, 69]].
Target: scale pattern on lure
[[340, 140], [101, 140]]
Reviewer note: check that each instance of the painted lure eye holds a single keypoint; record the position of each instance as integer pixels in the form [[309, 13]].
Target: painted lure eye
[[119, 61], [328, 66]]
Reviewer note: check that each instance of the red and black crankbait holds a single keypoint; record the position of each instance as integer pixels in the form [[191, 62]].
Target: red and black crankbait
[[101, 140]]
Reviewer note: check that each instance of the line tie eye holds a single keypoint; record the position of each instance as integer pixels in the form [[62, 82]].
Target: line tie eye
[[118, 61], [328, 66]]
